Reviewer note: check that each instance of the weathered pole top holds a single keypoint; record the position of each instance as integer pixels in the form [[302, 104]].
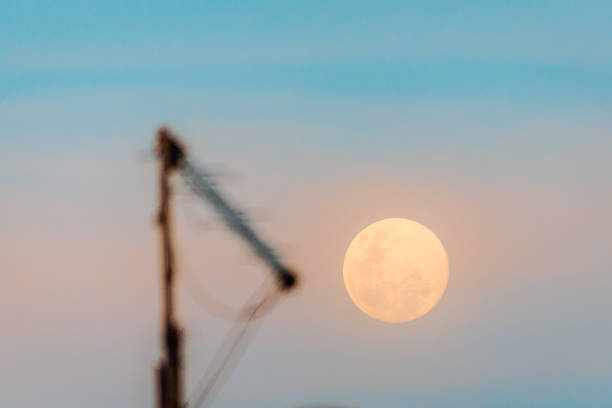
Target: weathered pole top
[[169, 149]]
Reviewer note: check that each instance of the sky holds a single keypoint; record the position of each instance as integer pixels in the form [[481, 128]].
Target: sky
[[487, 121]]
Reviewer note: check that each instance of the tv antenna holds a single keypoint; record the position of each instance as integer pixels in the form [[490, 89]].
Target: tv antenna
[[172, 158]]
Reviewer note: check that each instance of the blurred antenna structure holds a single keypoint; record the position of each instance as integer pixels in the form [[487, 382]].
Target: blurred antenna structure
[[172, 158]]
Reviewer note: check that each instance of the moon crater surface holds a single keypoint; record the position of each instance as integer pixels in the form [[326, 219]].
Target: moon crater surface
[[395, 270]]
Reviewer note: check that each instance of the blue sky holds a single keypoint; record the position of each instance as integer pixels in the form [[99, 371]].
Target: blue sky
[[487, 121], [306, 61], [555, 52]]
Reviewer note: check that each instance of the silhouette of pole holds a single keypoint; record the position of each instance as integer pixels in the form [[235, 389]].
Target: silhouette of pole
[[169, 379]]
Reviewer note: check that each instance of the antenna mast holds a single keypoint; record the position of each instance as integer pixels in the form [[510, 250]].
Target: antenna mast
[[169, 378], [171, 155]]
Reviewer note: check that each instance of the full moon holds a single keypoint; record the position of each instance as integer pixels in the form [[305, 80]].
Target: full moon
[[395, 270]]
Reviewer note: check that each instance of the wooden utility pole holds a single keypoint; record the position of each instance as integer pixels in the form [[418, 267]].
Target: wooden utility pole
[[169, 376]]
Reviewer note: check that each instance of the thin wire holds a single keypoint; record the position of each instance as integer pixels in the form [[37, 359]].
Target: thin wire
[[235, 336], [207, 301], [199, 293]]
